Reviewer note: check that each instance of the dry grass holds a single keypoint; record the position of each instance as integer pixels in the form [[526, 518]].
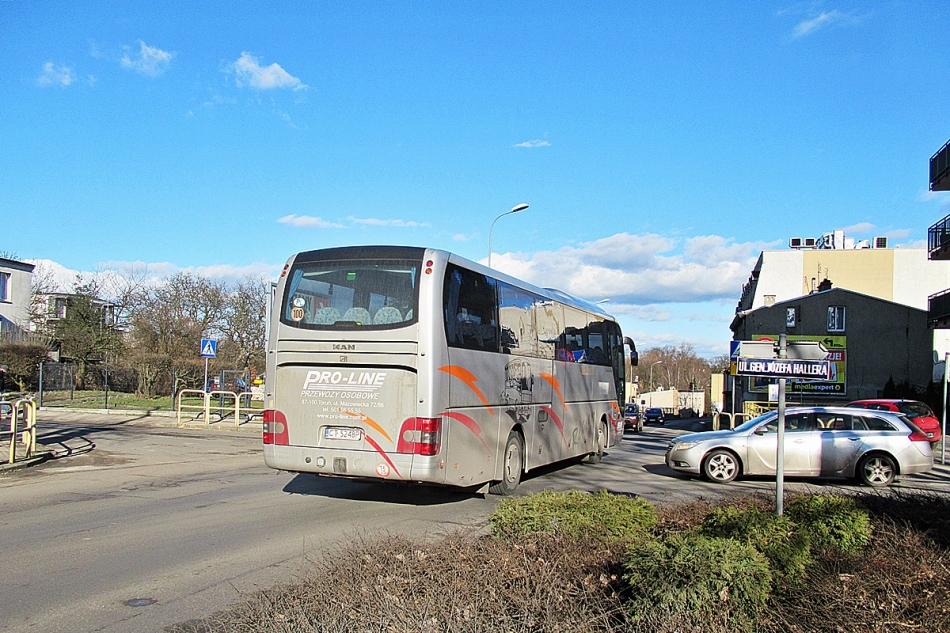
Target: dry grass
[[466, 583]]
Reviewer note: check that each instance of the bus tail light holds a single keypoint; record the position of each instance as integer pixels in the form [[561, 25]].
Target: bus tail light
[[430, 436], [275, 428], [420, 436]]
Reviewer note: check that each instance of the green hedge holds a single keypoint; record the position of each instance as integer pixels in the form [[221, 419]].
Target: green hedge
[[833, 522], [692, 579], [602, 516], [786, 546]]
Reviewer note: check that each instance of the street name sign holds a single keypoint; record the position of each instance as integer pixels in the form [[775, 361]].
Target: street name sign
[[784, 368]]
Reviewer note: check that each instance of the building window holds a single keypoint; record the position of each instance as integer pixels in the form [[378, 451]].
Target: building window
[[836, 318], [4, 286], [59, 308]]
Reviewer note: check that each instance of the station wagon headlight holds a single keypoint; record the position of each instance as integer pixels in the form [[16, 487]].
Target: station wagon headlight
[[684, 446]]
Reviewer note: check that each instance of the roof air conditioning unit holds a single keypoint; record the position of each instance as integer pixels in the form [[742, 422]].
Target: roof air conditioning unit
[[809, 242], [795, 242], [880, 242]]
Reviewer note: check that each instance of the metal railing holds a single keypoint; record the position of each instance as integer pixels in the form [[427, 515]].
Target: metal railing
[[18, 419], [938, 236], [940, 167], [732, 419], [206, 409]]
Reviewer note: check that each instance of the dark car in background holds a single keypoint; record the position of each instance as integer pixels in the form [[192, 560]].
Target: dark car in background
[[654, 415], [631, 417], [918, 413]]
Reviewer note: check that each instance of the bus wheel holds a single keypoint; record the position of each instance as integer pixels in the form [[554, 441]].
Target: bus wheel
[[511, 468], [601, 445]]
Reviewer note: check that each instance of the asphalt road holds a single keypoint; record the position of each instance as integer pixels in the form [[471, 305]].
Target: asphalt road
[[134, 527]]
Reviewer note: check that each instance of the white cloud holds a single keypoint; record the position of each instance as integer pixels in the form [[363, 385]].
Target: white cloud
[[533, 143], [379, 222], [110, 274], [639, 270], [859, 228], [461, 237], [825, 19], [308, 220], [249, 72], [54, 75], [150, 61]]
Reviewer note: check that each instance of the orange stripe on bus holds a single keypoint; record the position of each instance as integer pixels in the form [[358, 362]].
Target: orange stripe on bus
[[469, 379], [557, 386], [370, 421], [383, 453]]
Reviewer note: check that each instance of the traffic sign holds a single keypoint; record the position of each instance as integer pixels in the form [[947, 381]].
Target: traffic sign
[[209, 348]]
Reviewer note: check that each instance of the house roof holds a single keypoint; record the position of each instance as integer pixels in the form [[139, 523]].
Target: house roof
[[12, 263]]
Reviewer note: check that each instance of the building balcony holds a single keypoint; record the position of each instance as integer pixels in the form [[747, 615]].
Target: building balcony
[[940, 169], [938, 239], [938, 310]]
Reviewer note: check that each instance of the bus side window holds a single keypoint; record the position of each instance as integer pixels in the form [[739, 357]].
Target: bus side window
[[470, 308]]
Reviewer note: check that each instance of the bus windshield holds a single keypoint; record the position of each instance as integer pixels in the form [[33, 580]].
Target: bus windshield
[[333, 294]]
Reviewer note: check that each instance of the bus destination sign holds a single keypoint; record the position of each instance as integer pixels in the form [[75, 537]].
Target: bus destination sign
[[784, 368]]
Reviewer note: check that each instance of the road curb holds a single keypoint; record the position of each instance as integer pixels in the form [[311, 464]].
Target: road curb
[[38, 458]]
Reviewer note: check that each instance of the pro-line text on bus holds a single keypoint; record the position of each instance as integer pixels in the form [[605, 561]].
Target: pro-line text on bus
[[318, 379]]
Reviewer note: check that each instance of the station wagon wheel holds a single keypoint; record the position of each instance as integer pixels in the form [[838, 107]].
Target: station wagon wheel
[[512, 466], [721, 466], [877, 470]]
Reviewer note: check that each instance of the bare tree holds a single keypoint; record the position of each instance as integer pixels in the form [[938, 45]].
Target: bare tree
[[168, 321], [244, 323]]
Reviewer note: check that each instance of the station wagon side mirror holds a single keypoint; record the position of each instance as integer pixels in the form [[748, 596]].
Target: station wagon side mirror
[[762, 430]]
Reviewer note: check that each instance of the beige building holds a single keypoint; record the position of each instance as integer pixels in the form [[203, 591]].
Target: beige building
[[901, 275]]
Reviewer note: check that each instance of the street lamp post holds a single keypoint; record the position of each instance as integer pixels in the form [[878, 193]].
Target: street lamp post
[[653, 386], [514, 209]]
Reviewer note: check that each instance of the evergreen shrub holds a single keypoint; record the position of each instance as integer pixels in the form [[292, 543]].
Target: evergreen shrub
[[692, 580], [833, 522], [786, 546], [602, 516]]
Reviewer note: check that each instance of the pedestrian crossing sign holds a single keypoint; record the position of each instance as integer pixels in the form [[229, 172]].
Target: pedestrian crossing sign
[[209, 348]]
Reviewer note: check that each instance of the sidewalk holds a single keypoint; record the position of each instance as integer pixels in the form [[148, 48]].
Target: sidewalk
[[160, 419]]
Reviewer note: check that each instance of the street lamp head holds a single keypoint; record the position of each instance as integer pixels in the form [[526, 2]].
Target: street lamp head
[[514, 209]]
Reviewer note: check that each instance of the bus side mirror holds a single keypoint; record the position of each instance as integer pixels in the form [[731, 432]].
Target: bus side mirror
[[634, 355]]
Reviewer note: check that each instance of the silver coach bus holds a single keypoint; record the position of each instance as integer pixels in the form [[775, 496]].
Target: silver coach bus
[[416, 365]]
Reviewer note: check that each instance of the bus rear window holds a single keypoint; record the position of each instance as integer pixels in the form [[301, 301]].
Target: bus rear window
[[351, 294]]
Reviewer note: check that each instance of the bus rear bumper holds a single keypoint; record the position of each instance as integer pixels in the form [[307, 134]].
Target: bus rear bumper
[[350, 463]]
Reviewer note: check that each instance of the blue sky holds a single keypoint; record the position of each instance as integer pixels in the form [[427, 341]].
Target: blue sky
[[661, 146]]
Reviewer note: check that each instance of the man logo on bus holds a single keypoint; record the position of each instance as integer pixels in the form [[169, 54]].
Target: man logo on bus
[[316, 379]]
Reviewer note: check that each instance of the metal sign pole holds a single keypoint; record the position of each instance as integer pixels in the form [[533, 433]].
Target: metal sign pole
[[943, 441], [206, 375], [780, 448]]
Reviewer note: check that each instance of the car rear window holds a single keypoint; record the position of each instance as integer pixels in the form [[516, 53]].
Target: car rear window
[[915, 409]]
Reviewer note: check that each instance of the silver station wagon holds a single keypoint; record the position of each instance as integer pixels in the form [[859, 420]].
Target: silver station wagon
[[873, 447]]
